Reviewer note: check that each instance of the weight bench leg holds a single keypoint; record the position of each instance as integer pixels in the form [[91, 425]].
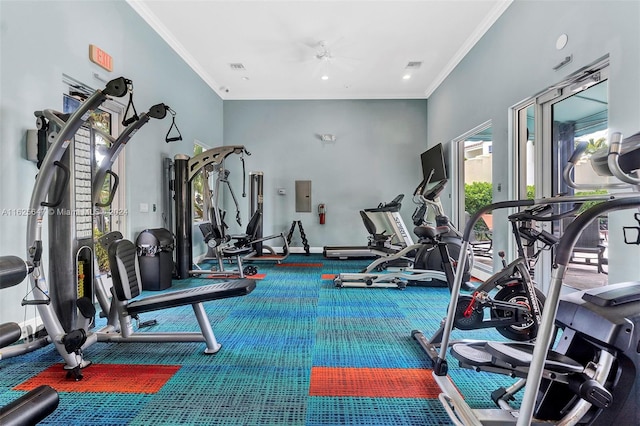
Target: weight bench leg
[[205, 327]]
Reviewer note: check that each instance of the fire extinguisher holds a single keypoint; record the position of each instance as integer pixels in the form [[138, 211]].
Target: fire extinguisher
[[322, 211]]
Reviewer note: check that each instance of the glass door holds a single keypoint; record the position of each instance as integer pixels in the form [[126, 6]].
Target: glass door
[[473, 184], [547, 131]]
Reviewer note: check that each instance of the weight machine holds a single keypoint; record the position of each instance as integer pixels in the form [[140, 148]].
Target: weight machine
[[66, 305], [220, 246], [185, 170]]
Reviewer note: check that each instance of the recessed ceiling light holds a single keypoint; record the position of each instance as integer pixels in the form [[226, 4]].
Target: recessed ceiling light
[[325, 77], [245, 78], [406, 76]]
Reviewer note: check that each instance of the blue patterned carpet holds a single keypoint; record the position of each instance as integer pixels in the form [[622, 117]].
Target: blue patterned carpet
[[293, 322]]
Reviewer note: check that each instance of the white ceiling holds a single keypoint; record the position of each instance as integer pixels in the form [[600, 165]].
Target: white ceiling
[[368, 44]]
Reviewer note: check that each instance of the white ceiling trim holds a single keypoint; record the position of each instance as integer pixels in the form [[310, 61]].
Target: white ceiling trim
[[153, 21], [497, 11], [156, 24]]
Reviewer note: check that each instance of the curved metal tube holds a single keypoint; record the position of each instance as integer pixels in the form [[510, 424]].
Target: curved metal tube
[[613, 161], [58, 147]]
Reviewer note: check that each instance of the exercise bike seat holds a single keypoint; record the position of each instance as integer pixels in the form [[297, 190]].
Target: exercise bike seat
[[430, 233]]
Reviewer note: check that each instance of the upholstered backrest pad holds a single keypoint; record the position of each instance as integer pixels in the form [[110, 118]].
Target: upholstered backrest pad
[[125, 272], [252, 226]]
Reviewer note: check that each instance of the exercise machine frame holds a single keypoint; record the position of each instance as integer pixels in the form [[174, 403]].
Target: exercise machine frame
[[383, 272], [536, 365], [70, 344]]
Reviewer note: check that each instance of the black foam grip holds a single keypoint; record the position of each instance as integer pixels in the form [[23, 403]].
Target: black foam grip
[[31, 408], [10, 332], [13, 271]]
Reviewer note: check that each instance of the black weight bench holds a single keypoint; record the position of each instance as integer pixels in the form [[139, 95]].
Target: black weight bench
[[127, 288]]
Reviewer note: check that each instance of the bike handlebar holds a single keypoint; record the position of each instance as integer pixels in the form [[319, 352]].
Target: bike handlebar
[[536, 213]]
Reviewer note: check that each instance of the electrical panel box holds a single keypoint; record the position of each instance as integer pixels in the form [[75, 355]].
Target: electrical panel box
[[303, 196]]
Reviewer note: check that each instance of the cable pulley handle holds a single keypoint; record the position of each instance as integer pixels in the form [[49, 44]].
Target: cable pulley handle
[[235, 201], [28, 302], [167, 138], [61, 188], [112, 192], [134, 115], [244, 174], [244, 177]]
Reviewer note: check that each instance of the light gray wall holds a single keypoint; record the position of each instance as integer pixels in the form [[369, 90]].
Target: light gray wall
[[375, 157], [514, 61], [39, 41]]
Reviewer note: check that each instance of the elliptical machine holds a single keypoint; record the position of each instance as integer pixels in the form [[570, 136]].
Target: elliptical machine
[[429, 213], [385, 272], [591, 376]]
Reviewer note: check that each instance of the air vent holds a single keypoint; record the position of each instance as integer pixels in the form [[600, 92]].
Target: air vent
[[237, 67], [413, 65]]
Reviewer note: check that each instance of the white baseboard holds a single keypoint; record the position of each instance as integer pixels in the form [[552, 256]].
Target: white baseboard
[[300, 250], [293, 250]]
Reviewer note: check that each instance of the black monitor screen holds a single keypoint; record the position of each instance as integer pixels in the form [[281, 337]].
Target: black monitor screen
[[433, 159]]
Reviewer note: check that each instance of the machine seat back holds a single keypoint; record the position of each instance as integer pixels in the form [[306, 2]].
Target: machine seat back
[[125, 270], [252, 226], [374, 236]]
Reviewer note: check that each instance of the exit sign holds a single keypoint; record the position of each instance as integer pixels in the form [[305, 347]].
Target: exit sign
[[100, 57]]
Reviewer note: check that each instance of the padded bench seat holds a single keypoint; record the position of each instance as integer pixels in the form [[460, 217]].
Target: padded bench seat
[[192, 295], [127, 289]]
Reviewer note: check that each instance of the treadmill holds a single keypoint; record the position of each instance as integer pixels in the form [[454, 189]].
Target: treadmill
[[388, 233]]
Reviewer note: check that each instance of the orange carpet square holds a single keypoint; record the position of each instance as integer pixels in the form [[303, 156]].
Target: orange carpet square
[[328, 276], [120, 378], [373, 382]]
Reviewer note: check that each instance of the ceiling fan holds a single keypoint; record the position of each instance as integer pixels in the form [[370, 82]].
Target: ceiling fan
[[326, 59], [322, 51]]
